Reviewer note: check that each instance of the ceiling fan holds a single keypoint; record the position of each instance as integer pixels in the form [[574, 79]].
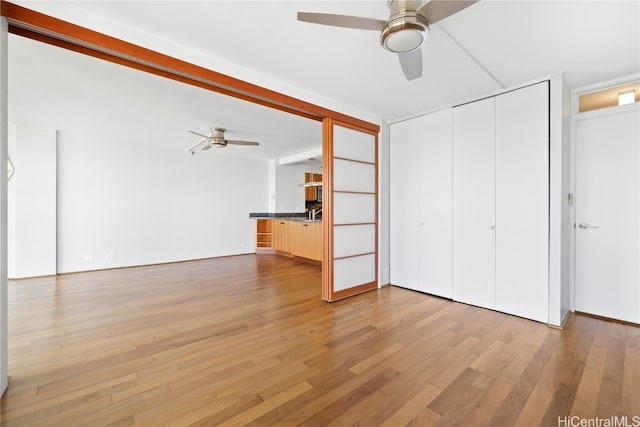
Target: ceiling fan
[[404, 32], [216, 139]]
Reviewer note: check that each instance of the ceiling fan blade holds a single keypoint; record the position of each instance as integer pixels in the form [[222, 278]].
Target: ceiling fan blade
[[206, 147], [345, 21], [232, 142], [436, 10], [411, 63], [197, 133], [193, 147]]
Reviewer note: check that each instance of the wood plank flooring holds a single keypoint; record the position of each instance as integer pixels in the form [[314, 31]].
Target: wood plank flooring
[[247, 341]]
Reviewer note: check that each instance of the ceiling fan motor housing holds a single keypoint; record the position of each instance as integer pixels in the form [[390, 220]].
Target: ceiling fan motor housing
[[406, 30], [217, 138]]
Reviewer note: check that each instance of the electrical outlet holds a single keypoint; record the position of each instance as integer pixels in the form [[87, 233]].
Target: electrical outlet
[[385, 270], [87, 258], [242, 245]]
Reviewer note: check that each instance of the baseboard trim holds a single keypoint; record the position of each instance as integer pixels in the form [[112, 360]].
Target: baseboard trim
[[608, 319], [564, 323]]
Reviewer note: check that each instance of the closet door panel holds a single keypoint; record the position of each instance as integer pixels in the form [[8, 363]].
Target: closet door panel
[[404, 220], [522, 202], [474, 203], [435, 199]]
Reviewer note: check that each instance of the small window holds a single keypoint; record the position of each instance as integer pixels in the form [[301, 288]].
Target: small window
[[608, 97]]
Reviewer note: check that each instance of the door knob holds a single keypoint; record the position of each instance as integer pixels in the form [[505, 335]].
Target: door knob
[[584, 226]]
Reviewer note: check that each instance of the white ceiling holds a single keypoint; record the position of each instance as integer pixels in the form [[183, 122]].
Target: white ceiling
[[490, 45]]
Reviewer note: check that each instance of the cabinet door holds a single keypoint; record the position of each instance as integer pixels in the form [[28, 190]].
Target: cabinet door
[[285, 230], [315, 230], [295, 238], [522, 202], [403, 211], [275, 235], [311, 193], [305, 240], [474, 203], [280, 235], [434, 196]]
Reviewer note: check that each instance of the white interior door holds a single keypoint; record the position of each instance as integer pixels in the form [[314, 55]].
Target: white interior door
[[403, 210], [608, 213], [474, 203], [522, 202], [434, 195]]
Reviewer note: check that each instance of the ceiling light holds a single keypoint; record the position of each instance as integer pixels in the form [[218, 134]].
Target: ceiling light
[[405, 33], [627, 97]]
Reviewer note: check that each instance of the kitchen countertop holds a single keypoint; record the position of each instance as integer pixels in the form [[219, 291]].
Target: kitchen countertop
[[289, 216]]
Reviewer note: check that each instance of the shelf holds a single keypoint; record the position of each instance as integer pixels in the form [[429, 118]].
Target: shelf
[[263, 233]]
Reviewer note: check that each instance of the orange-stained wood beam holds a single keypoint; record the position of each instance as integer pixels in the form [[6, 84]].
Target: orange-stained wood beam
[[45, 28]]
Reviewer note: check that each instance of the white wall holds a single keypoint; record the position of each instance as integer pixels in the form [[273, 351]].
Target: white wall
[[289, 194], [123, 204], [32, 202]]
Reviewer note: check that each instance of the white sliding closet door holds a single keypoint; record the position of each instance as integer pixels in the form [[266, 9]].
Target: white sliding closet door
[[404, 194], [434, 196], [474, 203], [350, 211], [522, 202]]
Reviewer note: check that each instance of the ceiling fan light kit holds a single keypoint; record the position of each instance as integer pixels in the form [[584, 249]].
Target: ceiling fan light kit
[[405, 33], [216, 140]]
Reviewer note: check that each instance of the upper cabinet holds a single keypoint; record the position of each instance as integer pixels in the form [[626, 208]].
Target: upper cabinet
[[311, 193], [469, 190]]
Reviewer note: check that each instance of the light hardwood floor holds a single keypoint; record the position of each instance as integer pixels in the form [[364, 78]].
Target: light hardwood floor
[[247, 341]]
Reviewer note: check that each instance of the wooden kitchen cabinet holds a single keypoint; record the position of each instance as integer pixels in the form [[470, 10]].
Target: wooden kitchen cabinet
[[296, 238], [311, 193], [314, 242], [263, 236], [281, 235], [286, 237], [306, 240]]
